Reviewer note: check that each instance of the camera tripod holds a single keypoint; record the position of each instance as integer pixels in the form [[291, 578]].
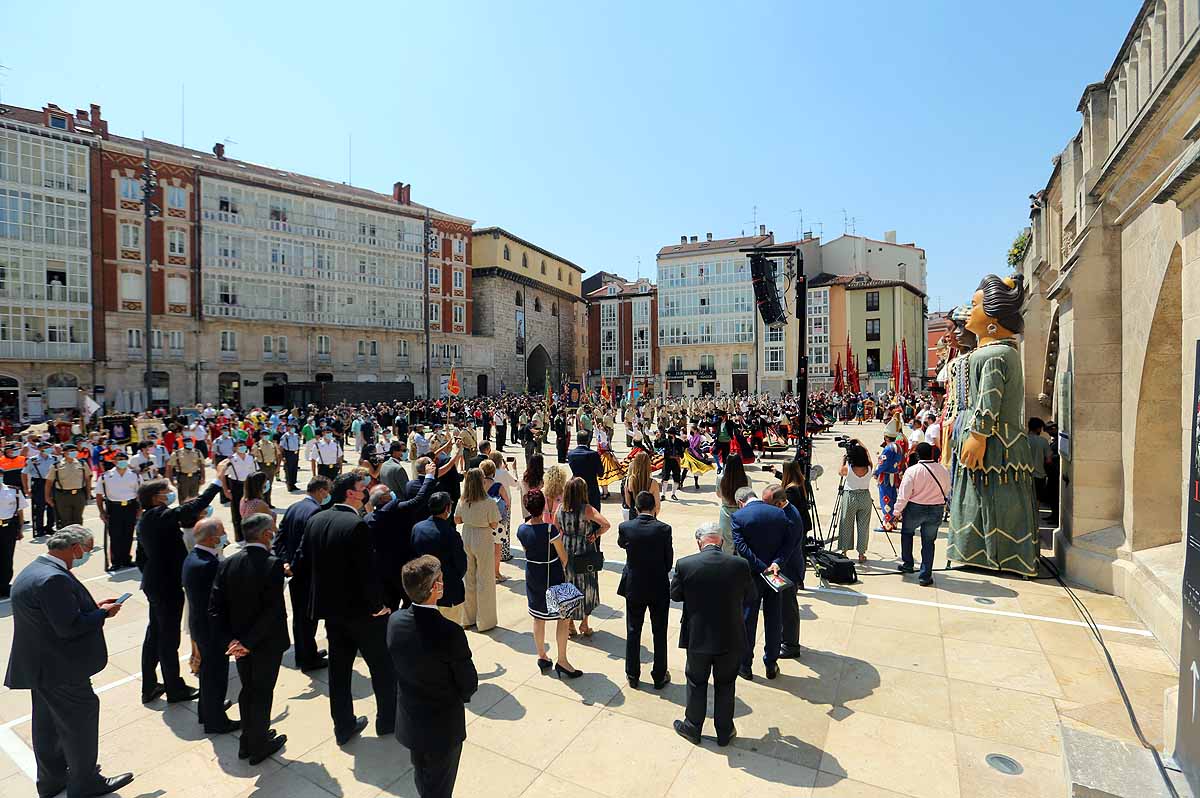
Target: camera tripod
[[836, 517]]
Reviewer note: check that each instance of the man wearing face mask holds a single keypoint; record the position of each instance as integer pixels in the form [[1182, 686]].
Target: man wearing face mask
[[58, 645], [199, 572], [68, 486], [289, 445], [236, 471], [337, 555], [37, 470], [116, 495], [286, 548], [185, 470], [325, 455], [162, 551], [12, 521]]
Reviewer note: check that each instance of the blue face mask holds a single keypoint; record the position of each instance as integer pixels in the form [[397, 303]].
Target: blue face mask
[[171, 497], [325, 501], [122, 464], [208, 511], [79, 561], [189, 445], [223, 542]]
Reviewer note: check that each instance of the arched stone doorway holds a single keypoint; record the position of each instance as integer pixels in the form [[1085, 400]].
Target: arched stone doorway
[[537, 369], [481, 385], [275, 388], [1158, 468], [229, 388]]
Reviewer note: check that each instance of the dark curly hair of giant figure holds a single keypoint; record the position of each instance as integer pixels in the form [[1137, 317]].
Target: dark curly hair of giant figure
[[1002, 301]]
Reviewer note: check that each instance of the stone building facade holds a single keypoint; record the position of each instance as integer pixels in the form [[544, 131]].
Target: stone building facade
[[1113, 315], [528, 305]]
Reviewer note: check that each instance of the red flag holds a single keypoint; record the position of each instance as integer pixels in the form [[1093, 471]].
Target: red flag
[[895, 376], [905, 377], [855, 384], [604, 388], [452, 385], [838, 383]]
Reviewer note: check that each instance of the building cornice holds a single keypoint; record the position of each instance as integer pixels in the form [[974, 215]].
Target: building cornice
[[478, 272], [497, 232]]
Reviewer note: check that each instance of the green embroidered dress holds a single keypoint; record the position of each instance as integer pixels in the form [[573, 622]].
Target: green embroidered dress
[[992, 518]]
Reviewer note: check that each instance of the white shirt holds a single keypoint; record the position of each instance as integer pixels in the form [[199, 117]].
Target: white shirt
[[117, 487], [324, 452], [933, 433], [12, 501], [241, 466]]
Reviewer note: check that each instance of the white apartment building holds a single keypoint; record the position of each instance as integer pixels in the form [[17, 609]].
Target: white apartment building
[[45, 260]]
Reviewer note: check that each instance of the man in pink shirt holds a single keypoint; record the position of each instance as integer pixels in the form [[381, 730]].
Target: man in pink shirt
[[920, 503]]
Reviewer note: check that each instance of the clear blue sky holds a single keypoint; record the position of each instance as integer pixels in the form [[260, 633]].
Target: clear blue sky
[[603, 131]]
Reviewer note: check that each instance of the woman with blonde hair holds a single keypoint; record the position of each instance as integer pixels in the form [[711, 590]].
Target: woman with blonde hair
[[505, 478], [479, 517], [498, 493], [581, 526], [638, 479], [555, 484]]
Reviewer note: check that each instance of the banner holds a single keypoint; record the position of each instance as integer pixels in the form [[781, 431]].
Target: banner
[[444, 386], [574, 394], [520, 331], [1187, 735]]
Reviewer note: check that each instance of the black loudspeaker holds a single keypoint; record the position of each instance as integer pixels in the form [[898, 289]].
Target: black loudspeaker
[[766, 292]]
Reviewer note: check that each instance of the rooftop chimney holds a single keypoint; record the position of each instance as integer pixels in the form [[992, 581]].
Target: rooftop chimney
[[683, 239], [708, 236], [81, 115], [98, 125], [695, 239], [890, 236], [219, 151], [762, 229], [402, 193]]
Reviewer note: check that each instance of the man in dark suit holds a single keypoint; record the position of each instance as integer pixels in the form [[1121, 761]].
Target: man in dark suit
[[390, 519], [247, 616], [199, 573], [345, 591], [438, 536], [161, 552], [794, 569], [585, 463], [58, 645], [436, 679], [714, 587], [766, 538], [286, 548], [645, 584]]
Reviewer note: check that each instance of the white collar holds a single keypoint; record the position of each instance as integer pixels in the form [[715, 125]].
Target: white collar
[[258, 545], [215, 551], [426, 606], [52, 559]]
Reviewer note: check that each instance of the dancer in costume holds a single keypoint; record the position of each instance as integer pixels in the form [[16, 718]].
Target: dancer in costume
[[888, 471], [992, 513], [695, 457], [613, 471]]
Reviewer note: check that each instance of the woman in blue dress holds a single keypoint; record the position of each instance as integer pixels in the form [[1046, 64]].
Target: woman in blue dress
[[545, 564]]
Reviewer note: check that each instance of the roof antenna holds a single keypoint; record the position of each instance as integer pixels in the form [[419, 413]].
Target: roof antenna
[[639, 267], [182, 115], [349, 159]]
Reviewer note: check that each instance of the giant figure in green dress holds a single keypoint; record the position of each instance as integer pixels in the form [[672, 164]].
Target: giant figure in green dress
[[992, 518]]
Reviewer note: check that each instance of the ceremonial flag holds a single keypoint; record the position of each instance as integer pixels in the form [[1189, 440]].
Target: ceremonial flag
[[604, 396], [453, 387], [855, 385], [839, 383], [547, 389], [895, 378], [905, 377], [90, 406]]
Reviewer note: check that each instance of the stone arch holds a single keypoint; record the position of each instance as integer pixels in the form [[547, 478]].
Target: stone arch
[[1158, 469], [537, 369]]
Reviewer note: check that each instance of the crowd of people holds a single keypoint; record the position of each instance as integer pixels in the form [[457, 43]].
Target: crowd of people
[[396, 548]]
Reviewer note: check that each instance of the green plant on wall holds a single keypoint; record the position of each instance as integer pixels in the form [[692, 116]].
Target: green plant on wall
[[1016, 253]]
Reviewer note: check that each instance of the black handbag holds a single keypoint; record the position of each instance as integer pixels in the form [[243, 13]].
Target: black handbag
[[834, 568], [589, 562]]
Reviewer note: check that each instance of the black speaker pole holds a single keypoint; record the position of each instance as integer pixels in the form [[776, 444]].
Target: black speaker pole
[[803, 451]]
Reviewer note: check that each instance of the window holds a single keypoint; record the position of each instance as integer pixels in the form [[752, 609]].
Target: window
[[460, 279], [133, 339], [570, 278], [176, 340], [708, 362], [774, 360], [460, 246], [520, 300], [228, 341], [58, 122], [675, 363], [741, 362], [872, 360], [131, 236], [543, 267], [506, 255], [537, 304], [904, 268], [613, 290], [176, 198], [524, 261], [322, 344], [402, 348], [268, 345], [373, 348], [872, 329], [226, 293], [177, 290], [133, 287], [554, 309], [227, 205], [435, 312], [130, 189], [156, 340], [435, 276], [176, 242], [872, 301], [460, 314], [281, 345]]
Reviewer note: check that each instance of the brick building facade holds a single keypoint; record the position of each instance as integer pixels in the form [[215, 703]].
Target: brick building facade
[[623, 335]]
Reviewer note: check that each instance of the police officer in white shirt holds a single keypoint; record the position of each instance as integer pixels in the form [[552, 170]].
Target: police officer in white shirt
[[116, 497], [325, 455], [233, 474], [12, 518], [37, 470], [143, 461], [289, 442], [159, 453]]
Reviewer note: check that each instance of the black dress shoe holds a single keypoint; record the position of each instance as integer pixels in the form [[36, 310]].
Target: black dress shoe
[[385, 730], [545, 664], [663, 682], [561, 671], [746, 673], [724, 741], [322, 653], [634, 681], [223, 728], [360, 723], [271, 747], [790, 652], [107, 785], [925, 582], [687, 731], [772, 671], [315, 665], [50, 792], [227, 704], [187, 694], [154, 692], [906, 569]]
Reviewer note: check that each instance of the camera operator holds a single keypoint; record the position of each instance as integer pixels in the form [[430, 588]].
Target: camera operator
[[855, 506]]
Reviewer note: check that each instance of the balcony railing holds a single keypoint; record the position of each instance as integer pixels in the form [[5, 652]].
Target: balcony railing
[[227, 355]]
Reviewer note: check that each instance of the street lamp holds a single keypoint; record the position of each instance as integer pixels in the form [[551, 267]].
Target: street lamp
[[149, 186]]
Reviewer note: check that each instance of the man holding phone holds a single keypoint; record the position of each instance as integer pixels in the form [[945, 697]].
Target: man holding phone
[[58, 645]]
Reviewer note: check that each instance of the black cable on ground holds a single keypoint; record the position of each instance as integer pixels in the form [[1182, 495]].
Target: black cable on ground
[[1112, 667]]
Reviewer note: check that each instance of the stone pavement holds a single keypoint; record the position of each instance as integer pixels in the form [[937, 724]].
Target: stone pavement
[[902, 690]]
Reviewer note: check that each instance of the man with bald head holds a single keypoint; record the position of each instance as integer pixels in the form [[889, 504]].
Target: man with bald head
[[199, 571]]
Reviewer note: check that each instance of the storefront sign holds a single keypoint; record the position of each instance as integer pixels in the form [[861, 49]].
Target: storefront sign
[[700, 374], [1187, 735]]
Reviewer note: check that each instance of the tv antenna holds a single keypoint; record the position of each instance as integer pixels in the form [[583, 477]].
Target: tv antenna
[[849, 223]]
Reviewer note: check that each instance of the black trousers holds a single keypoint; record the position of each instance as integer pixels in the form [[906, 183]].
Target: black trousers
[[724, 670], [291, 468], [635, 615], [214, 685], [304, 629], [790, 611], [671, 472], [237, 489], [500, 435], [347, 639], [258, 673], [330, 471], [436, 771], [8, 547], [121, 522], [42, 514], [160, 648], [66, 723], [515, 427], [561, 443]]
